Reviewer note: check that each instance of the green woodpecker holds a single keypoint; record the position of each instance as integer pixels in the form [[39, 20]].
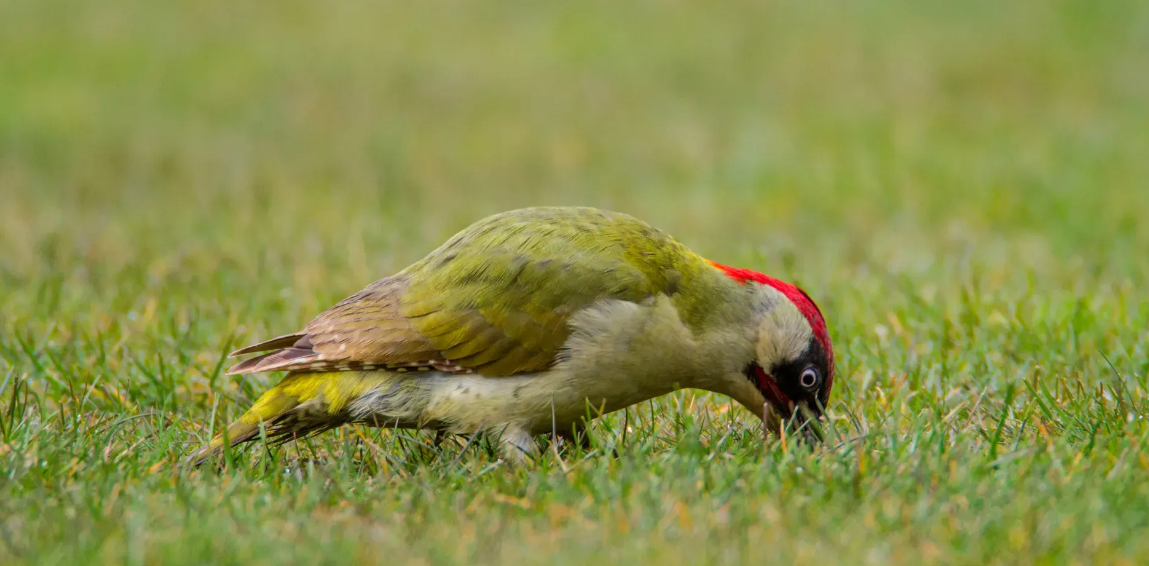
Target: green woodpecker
[[530, 321]]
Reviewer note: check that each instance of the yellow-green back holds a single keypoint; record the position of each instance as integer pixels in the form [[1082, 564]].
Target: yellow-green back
[[498, 295]]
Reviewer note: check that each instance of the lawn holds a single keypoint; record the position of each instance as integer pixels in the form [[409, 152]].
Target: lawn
[[963, 187]]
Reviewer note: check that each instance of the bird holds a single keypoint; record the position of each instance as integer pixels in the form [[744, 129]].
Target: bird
[[537, 321]]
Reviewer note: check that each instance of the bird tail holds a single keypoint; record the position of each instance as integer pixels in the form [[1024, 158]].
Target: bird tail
[[276, 410]]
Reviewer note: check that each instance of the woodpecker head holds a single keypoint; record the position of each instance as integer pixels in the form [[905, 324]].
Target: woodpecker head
[[793, 367]]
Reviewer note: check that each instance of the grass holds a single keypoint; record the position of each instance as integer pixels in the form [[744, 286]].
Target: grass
[[962, 186]]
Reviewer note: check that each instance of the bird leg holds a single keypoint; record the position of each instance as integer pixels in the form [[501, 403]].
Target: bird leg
[[576, 435], [517, 446]]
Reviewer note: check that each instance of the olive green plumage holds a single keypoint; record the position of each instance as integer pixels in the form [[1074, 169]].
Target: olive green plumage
[[495, 299], [495, 304]]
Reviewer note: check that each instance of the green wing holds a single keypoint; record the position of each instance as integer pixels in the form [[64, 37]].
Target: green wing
[[495, 299]]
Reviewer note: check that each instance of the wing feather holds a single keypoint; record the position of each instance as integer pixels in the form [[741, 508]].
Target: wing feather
[[285, 341], [285, 358], [495, 299]]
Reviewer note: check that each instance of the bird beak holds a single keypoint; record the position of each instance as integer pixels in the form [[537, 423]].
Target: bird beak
[[797, 419], [806, 420], [781, 412]]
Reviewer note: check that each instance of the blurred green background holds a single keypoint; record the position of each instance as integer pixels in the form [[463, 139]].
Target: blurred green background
[[961, 185]]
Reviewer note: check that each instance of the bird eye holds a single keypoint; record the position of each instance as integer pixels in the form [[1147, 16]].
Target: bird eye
[[809, 378]]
